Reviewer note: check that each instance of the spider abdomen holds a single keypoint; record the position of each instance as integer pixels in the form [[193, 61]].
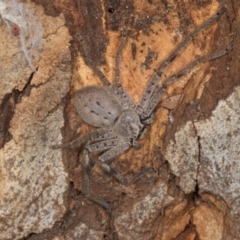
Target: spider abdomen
[[97, 106]]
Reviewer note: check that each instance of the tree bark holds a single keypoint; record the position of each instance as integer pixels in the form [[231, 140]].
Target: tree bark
[[192, 145]]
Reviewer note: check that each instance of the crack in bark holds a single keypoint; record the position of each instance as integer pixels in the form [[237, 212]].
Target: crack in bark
[[7, 108], [54, 33], [199, 157]]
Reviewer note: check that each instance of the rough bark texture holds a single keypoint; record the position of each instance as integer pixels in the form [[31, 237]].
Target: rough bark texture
[[193, 144]]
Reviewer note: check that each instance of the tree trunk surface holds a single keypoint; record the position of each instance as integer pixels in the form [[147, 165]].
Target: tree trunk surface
[[193, 192]]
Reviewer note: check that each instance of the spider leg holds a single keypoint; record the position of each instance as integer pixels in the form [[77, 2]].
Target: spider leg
[[103, 145], [118, 57], [189, 67], [122, 179], [86, 171], [99, 134], [151, 87], [155, 98], [86, 182], [89, 62], [113, 152], [123, 97], [120, 146]]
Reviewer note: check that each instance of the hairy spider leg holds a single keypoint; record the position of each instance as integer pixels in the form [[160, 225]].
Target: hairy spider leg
[[123, 97], [97, 135], [86, 182], [122, 179], [189, 67], [151, 86], [121, 145], [89, 62], [118, 57], [156, 96], [103, 145]]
